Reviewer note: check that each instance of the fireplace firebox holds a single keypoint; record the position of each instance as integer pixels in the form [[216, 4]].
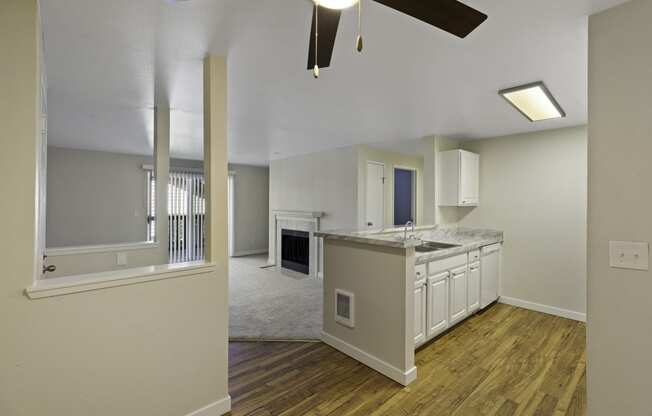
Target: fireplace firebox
[[295, 250]]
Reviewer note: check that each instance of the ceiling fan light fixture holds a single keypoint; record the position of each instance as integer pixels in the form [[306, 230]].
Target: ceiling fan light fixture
[[336, 4]]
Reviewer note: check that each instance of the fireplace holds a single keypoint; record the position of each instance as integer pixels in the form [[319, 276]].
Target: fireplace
[[295, 250]]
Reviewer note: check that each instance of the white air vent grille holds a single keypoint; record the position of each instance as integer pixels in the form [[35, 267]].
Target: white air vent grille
[[344, 308]]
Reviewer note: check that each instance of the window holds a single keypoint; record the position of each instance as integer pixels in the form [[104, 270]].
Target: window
[[186, 215]]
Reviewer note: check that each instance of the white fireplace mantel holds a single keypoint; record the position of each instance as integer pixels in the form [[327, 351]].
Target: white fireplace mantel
[[309, 221]]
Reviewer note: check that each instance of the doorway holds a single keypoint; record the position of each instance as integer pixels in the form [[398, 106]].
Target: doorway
[[404, 195], [375, 200]]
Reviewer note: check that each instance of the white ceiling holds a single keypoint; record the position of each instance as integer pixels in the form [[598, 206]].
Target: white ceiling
[[109, 62]]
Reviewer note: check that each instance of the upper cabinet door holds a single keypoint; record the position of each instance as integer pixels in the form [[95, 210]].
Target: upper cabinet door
[[469, 178], [458, 178]]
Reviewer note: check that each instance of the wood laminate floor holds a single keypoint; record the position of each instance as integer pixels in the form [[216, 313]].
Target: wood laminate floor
[[507, 361]]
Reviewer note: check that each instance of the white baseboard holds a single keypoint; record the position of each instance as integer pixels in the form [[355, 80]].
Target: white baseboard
[[243, 253], [369, 360], [218, 408], [551, 310]]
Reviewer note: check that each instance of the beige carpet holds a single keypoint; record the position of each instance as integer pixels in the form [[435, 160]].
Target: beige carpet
[[266, 305]]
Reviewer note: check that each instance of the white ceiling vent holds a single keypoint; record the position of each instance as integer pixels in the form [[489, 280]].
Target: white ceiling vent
[[345, 308]]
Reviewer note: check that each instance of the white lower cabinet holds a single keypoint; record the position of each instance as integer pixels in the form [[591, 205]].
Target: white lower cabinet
[[437, 304], [474, 287], [420, 312], [458, 299], [449, 294]]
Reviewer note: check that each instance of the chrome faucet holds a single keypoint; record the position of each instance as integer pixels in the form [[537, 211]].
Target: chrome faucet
[[405, 236]]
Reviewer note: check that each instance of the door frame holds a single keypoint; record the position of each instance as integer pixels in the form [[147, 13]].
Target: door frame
[[415, 187], [366, 208], [231, 213]]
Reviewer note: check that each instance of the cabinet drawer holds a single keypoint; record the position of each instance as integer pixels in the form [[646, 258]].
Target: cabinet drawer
[[420, 272], [474, 256], [437, 266]]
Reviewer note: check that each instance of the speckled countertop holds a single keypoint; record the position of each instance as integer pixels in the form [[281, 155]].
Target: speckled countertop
[[465, 239]]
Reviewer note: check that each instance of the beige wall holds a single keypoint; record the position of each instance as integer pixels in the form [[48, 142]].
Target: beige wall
[[251, 203], [534, 188], [381, 280], [155, 349], [390, 160], [95, 198], [324, 181], [432, 212], [620, 203]]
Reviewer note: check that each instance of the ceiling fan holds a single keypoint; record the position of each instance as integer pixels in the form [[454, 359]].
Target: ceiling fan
[[451, 16]]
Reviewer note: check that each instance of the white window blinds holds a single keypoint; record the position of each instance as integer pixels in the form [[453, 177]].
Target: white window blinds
[[186, 216]]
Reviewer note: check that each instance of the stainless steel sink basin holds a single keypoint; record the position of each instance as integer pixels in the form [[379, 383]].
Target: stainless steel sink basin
[[429, 246]]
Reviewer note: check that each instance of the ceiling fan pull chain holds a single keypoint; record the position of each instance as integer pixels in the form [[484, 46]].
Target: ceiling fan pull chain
[[359, 43], [315, 71]]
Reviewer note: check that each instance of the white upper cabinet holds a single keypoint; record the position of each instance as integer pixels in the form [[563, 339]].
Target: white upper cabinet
[[459, 178]]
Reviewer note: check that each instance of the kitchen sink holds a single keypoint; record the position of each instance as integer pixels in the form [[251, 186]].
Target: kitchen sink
[[429, 246]]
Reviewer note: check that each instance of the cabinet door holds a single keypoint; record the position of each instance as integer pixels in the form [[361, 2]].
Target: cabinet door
[[458, 301], [469, 178], [419, 313], [437, 304], [474, 287]]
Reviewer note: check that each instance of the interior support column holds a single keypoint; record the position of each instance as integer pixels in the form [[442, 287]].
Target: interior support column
[[162, 173], [216, 160]]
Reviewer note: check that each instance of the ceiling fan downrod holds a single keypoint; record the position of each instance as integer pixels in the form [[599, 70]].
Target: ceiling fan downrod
[[359, 43], [315, 71]]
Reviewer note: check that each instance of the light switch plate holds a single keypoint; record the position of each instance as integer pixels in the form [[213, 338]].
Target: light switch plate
[[629, 255], [121, 259]]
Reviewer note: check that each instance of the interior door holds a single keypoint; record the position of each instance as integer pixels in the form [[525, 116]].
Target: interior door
[[403, 196], [375, 207]]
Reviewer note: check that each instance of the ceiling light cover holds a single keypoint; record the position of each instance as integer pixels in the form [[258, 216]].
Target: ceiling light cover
[[336, 4], [534, 101]]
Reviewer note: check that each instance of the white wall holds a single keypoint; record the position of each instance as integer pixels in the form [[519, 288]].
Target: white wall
[[324, 181], [534, 188], [620, 203], [251, 203], [154, 349]]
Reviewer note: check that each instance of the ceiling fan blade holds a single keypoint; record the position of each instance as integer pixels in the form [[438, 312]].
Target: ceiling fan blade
[[449, 15], [329, 20]]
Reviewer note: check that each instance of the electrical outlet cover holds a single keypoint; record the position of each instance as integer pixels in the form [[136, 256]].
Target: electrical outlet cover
[[629, 255]]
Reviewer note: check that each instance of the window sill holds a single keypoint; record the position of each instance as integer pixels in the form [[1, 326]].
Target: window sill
[[60, 286], [106, 248]]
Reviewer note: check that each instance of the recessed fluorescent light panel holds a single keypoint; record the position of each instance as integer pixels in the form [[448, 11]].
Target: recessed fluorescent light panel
[[534, 101]]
